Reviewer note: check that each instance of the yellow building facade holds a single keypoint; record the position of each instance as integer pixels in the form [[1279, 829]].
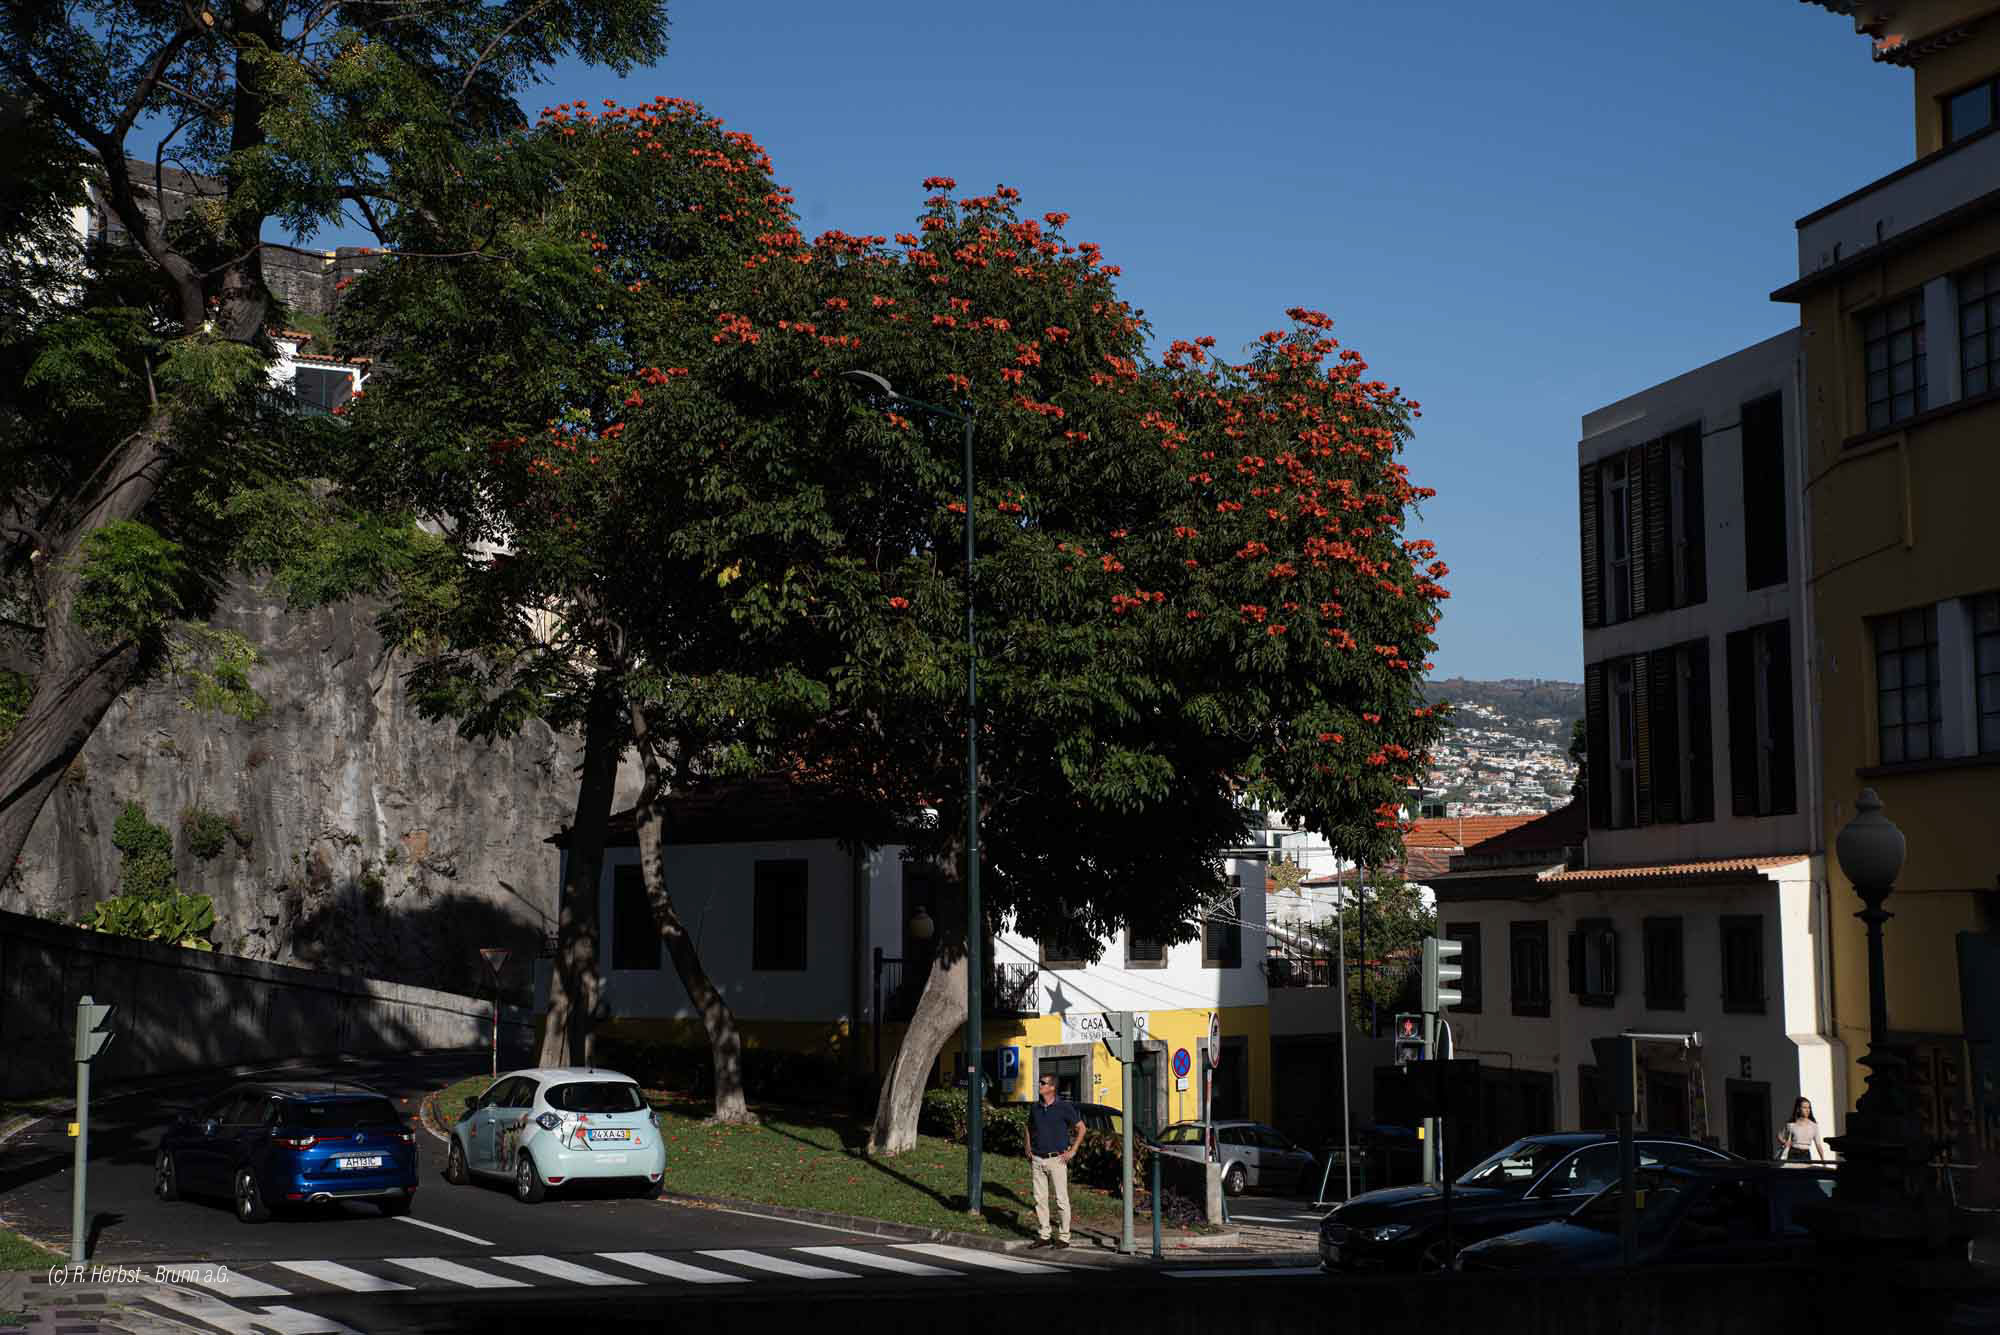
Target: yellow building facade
[[1899, 301]]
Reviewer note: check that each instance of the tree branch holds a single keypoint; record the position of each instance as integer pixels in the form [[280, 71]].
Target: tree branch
[[499, 37]]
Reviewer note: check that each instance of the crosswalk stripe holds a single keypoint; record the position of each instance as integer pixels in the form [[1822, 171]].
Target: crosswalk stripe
[[660, 1265], [343, 1277], [972, 1256], [214, 1312], [555, 1268], [777, 1265], [876, 1260], [439, 1268], [228, 1283]]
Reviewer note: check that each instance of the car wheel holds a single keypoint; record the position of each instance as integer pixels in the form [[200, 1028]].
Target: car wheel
[[166, 1177], [250, 1207], [1435, 1256], [528, 1186], [1235, 1180], [454, 1165]]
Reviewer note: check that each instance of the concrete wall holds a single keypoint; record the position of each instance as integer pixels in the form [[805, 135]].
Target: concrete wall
[[182, 1010]]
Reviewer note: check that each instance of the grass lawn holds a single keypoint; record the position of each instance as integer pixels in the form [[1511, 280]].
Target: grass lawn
[[811, 1158], [17, 1253]]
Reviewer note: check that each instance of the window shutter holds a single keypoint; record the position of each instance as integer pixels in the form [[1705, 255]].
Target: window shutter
[[1742, 668], [1610, 961], [1764, 492], [1597, 745], [1664, 723], [1636, 505], [1659, 539], [1642, 744], [1700, 803], [1784, 777], [1576, 963], [1696, 519], [1593, 549]]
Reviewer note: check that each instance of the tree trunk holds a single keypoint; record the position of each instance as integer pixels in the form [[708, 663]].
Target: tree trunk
[[940, 1013], [574, 983], [79, 674], [724, 1040]]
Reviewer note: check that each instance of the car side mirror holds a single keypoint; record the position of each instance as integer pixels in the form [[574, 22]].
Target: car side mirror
[[210, 1127], [471, 1104]]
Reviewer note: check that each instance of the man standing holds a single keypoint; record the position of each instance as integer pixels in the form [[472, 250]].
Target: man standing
[[1055, 1129]]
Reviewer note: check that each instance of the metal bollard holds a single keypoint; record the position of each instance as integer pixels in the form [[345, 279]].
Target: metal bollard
[[1158, 1204]]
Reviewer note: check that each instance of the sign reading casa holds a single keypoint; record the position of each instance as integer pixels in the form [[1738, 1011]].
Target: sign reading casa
[[1091, 1026]]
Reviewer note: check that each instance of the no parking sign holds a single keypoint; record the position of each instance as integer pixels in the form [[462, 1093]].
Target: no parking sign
[[1182, 1062]]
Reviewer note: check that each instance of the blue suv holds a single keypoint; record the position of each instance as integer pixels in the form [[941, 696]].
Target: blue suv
[[268, 1146]]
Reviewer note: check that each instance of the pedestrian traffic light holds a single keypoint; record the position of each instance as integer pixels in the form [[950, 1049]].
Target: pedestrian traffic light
[[1441, 973], [1409, 1038], [93, 1027]]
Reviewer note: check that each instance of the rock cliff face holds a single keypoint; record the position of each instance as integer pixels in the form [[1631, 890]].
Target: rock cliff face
[[367, 840]]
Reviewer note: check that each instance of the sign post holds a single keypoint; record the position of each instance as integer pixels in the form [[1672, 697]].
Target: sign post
[[1122, 1038], [496, 960], [93, 1031]]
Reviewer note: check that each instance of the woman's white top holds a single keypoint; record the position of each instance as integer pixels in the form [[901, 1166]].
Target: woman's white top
[[1803, 1135]]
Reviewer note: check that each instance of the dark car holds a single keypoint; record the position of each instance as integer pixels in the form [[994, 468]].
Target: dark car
[[1697, 1214], [1532, 1181], [1102, 1118], [267, 1146]]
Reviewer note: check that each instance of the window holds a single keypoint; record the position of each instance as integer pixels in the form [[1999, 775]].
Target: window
[[320, 390], [1624, 753], [1686, 581], [1584, 1173], [1470, 985], [1765, 500], [1618, 540], [1763, 771], [1749, 1111], [1528, 952], [635, 938], [1069, 1073], [1144, 950], [1593, 962], [1666, 968], [1979, 329], [1232, 1080], [778, 934], [1967, 113], [1065, 947], [1893, 340], [597, 1096], [1743, 963], [1682, 752], [1222, 932], [1984, 612], [1909, 715]]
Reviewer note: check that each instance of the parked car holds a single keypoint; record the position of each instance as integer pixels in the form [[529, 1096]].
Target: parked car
[[1698, 1214], [270, 1146], [1252, 1155], [1532, 1181], [554, 1125], [1101, 1117]]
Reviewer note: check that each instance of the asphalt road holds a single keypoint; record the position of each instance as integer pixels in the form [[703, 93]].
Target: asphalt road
[[474, 1256]]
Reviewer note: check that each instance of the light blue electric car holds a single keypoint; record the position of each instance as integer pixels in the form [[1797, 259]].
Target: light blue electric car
[[559, 1125]]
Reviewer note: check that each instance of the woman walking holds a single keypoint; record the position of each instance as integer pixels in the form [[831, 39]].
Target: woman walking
[[1799, 1142]]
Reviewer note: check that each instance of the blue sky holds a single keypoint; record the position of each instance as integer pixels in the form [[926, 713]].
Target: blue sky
[[1517, 213]]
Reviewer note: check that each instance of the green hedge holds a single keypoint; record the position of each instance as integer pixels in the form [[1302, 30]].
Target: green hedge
[[768, 1073], [944, 1114]]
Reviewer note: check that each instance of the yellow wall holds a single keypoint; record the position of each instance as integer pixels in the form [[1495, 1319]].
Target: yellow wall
[[1902, 519], [1950, 70]]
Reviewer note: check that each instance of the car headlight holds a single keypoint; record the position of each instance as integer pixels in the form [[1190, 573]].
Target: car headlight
[[1389, 1232], [548, 1121]]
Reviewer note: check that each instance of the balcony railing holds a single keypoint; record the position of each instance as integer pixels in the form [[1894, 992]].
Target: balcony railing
[[1908, 197], [1009, 990], [1296, 971]]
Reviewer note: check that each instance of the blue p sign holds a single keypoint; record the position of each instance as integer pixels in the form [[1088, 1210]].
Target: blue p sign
[[1010, 1066]]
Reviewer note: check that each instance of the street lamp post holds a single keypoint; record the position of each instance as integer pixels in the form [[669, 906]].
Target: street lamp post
[[975, 1097]]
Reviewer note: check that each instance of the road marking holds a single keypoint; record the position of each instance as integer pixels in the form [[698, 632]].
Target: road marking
[[876, 1260], [230, 1283], [215, 1312], [344, 1277], [781, 1219], [439, 1268], [988, 1260], [777, 1265], [440, 1228], [1245, 1271], [660, 1265], [558, 1269]]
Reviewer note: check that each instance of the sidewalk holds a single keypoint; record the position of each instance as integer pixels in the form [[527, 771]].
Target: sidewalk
[[79, 1309]]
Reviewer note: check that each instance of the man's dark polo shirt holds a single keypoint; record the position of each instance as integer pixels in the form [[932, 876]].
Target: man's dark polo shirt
[[1050, 1125]]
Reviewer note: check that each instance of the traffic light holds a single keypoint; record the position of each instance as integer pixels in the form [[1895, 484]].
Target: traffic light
[[1441, 973], [93, 1027], [1409, 1038], [1617, 1073]]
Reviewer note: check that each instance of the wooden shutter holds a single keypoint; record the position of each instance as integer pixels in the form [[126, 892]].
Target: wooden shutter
[[1700, 800], [1663, 713], [1659, 552], [1764, 506], [1610, 961], [1742, 670], [1597, 745], [1576, 964], [1784, 776], [1636, 505], [1694, 518], [1642, 742], [1593, 549]]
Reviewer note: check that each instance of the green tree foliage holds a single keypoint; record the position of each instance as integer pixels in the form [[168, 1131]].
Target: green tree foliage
[[146, 867], [1396, 920], [139, 451]]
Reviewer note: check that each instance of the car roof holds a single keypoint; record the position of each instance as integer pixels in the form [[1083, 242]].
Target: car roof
[[1222, 1122], [310, 1089], [1572, 1139], [569, 1073]]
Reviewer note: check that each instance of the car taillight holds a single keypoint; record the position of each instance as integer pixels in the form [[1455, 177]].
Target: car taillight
[[407, 1137], [654, 1113], [295, 1142], [548, 1121]]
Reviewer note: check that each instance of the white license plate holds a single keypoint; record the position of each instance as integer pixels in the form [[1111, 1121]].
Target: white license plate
[[359, 1161], [611, 1133]]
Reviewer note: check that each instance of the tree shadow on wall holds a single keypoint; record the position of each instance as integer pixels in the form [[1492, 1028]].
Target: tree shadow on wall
[[419, 936]]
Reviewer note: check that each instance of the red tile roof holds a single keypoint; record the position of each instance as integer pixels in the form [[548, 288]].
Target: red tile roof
[[1457, 832], [1733, 868]]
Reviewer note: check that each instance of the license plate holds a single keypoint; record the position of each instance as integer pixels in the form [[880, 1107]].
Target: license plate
[[359, 1161], [611, 1133]]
